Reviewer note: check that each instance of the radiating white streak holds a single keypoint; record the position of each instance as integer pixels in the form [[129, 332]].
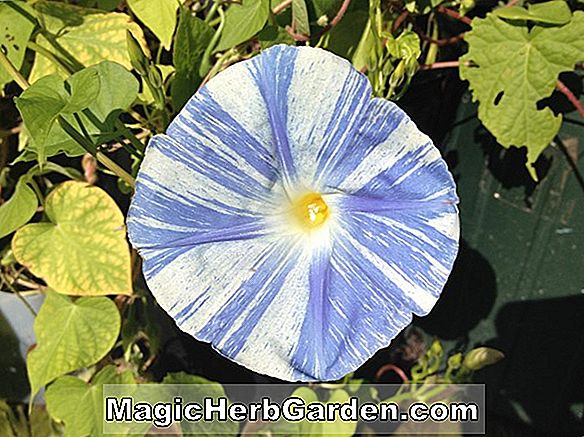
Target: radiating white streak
[[447, 224], [155, 223], [237, 93], [214, 142], [181, 182], [440, 268], [394, 274], [274, 338], [312, 100], [214, 270], [275, 271], [403, 140]]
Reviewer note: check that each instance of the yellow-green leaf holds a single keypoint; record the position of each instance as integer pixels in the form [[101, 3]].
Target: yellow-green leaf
[[71, 335], [157, 15], [79, 405], [15, 31], [511, 68], [18, 210], [82, 249], [89, 35]]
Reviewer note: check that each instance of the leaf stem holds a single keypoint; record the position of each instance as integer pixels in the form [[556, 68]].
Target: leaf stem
[[561, 87], [454, 14], [12, 71], [50, 56], [37, 191], [130, 136], [17, 293], [438, 65]]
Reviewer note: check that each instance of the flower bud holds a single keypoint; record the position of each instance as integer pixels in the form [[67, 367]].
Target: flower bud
[[481, 357], [137, 57]]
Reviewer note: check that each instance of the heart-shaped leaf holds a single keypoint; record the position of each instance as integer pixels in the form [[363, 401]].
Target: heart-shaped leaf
[[18, 210], [80, 405], [71, 335], [82, 250]]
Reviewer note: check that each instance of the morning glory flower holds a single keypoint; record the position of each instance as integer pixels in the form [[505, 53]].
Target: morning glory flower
[[291, 220]]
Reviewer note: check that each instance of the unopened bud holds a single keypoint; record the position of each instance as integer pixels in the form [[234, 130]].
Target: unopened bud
[[138, 59], [481, 357]]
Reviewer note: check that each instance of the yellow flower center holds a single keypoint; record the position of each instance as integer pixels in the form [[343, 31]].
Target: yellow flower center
[[311, 210]]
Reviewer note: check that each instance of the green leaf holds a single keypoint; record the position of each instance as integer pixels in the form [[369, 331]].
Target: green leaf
[[554, 12], [242, 22], [102, 89], [300, 17], [71, 334], [344, 38], [40, 105], [18, 210], [336, 428], [84, 88], [82, 250], [157, 15], [206, 389], [79, 405], [511, 68], [15, 31], [272, 34], [192, 38], [89, 35], [328, 8]]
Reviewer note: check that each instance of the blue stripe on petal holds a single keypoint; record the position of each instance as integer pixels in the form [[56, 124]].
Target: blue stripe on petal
[[273, 74], [326, 101]]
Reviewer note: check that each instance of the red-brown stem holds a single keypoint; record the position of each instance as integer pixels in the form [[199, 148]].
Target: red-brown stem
[[333, 23], [281, 7], [437, 65], [444, 41], [454, 14], [399, 20], [386, 368], [296, 36], [570, 95], [340, 14]]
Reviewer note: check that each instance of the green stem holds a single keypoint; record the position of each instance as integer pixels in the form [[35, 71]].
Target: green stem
[[116, 169], [37, 190], [50, 56], [22, 299], [90, 147], [130, 135], [12, 71], [212, 11], [207, 55]]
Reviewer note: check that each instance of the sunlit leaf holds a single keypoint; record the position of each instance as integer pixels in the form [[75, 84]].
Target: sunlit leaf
[[18, 210], [71, 334], [157, 15], [243, 21], [89, 35], [82, 249], [554, 12], [103, 89], [79, 405], [15, 31], [511, 68], [300, 17]]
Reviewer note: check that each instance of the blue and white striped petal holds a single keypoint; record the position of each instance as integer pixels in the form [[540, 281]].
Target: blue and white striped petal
[[215, 216]]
